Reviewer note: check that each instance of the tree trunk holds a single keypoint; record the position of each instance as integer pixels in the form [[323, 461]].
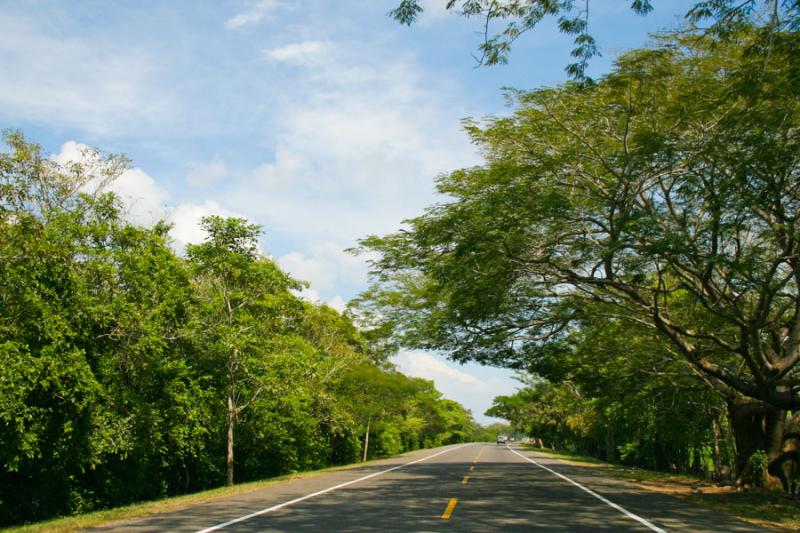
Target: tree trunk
[[366, 440], [784, 464], [755, 427], [231, 421], [715, 431], [748, 432], [774, 424]]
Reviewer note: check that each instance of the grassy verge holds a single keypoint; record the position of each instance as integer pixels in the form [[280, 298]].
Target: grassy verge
[[760, 507], [144, 509], [763, 508]]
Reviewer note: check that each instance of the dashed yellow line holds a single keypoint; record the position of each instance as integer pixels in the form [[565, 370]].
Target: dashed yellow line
[[478, 456], [449, 510]]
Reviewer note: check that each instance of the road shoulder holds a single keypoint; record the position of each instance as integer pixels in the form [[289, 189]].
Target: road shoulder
[[112, 518], [764, 509]]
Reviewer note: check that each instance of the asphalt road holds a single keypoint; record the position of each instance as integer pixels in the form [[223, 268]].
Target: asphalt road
[[465, 488]]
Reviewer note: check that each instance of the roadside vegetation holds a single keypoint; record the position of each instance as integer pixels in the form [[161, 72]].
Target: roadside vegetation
[[630, 245], [149, 508], [130, 372], [760, 506]]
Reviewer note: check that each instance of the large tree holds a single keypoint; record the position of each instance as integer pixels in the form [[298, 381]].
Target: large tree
[[667, 191], [244, 315]]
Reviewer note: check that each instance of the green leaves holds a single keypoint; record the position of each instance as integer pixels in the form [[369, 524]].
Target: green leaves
[[118, 357], [657, 191], [726, 19], [406, 12]]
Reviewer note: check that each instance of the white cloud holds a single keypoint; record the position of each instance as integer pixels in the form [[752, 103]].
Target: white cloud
[[301, 53], [469, 388], [357, 146], [279, 174], [425, 365], [326, 266], [185, 219], [307, 269], [100, 87], [338, 303], [310, 295], [204, 174], [143, 199], [473, 389], [255, 12], [434, 11]]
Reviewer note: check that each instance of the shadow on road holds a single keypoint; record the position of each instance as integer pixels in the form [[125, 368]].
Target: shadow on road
[[502, 494]]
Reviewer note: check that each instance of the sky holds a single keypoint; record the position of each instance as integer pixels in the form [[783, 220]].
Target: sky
[[322, 120]]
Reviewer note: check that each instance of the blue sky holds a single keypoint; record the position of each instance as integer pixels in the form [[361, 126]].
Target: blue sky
[[322, 120]]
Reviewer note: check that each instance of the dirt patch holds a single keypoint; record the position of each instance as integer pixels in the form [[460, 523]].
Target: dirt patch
[[677, 487]]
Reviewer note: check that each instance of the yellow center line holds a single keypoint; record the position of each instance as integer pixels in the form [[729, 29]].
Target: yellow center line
[[478, 456], [449, 510], [465, 480]]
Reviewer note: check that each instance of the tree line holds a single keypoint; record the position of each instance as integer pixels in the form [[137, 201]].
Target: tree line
[[130, 372], [634, 244], [612, 391]]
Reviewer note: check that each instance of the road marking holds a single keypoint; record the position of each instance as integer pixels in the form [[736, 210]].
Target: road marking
[[449, 510], [608, 502], [478, 456], [323, 491], [465, 480]]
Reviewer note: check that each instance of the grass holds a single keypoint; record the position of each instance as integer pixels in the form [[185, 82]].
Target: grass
[[144, 509], [763, 508], [760, 507]]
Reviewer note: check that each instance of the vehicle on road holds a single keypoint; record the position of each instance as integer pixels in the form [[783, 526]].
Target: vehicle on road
[[502, 439]]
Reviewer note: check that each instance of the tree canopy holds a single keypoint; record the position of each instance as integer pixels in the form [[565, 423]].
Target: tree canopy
[[667, 191], [666, 195], [126, 369]]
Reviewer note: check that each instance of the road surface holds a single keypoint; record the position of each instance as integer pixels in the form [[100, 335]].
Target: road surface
[[464, 488]]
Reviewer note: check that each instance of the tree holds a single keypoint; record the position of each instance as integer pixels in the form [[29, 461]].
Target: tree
[[371, 393], [119, 358], [93, 382], [245, 306], [522, 16], [610, 388], [667, 191]]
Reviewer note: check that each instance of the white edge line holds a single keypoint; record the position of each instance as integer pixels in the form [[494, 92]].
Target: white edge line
[[593, 493], [323, 491]]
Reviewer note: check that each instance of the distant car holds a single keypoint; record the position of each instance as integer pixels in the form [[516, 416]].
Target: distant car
[[502, 439]]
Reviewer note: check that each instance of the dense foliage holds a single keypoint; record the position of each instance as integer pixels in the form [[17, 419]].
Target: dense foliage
[[612, 391], [665, 195], [126, 370]]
